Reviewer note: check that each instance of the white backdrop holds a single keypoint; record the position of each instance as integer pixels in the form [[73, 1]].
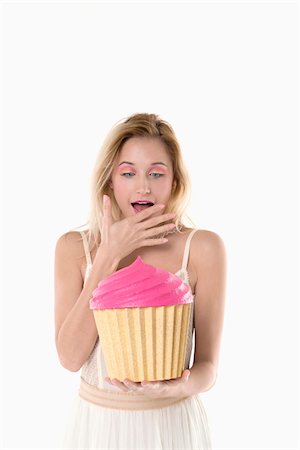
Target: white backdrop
[[224, 75]]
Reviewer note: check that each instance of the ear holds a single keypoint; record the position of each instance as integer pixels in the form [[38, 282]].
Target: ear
[[110, 185]]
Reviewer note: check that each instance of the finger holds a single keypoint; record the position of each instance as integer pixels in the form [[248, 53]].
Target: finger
[[107, 210], [186, 374], [108, 380], [152, 241], [151, 384], [171, 382], [145, 213], [158, 220], [119, 384], [156, 230], [131, 384]]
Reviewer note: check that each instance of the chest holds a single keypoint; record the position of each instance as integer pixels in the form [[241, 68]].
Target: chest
[[169, 257], [171, 264]]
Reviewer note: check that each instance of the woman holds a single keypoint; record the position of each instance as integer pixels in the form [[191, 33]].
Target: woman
[[140, 162]]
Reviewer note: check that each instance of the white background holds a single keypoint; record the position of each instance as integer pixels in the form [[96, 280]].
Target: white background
[[224, 75]]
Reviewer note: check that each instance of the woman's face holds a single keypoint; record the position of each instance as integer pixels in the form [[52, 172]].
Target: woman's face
[[143, 172]]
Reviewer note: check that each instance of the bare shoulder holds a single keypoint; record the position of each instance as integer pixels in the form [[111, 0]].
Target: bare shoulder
[[70, 245], [70, 251], [70, 237], [207, 249], [208, 240]]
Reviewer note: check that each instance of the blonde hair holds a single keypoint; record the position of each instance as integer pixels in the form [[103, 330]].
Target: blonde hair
[[146, 125]]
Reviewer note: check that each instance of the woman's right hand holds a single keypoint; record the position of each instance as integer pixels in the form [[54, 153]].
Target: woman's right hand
[[120, 238]]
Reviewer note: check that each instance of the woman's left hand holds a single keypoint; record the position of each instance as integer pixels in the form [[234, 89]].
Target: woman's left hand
[[154, 389]]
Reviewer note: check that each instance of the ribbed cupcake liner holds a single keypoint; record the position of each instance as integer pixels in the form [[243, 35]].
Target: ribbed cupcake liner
[[144, 343]]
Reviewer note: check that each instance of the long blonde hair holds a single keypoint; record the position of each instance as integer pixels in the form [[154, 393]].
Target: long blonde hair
[[146, 125]]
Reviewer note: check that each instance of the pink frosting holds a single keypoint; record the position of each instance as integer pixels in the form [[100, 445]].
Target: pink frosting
[[140, 285]]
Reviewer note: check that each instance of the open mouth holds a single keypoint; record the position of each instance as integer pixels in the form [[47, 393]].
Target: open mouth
[[137, 207]]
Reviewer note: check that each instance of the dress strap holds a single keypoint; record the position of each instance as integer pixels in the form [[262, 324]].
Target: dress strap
[[187, 250], [86, 248]]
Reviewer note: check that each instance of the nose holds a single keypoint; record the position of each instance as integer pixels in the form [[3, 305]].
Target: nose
[[144, 187], [144, 190]]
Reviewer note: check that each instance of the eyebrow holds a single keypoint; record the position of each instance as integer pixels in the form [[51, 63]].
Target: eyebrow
[[152, 164]]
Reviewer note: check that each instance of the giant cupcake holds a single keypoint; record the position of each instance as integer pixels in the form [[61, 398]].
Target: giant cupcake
[[142, 315]]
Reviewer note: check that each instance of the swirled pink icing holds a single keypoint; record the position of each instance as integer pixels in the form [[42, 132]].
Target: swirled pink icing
[[140, 285]]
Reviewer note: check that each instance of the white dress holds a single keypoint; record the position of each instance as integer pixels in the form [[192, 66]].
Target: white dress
[[181, 426]]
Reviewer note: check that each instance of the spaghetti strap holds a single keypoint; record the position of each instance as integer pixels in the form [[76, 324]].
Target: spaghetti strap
[[186, 250], [86, 249]]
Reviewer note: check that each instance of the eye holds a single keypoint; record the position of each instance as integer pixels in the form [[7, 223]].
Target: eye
[[159, 174], [127, 173]]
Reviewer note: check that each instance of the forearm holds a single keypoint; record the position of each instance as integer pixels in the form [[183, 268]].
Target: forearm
[[202, 378], [78, 333]]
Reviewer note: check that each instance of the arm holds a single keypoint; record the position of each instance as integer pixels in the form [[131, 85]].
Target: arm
[[75, 328], [209, 260]]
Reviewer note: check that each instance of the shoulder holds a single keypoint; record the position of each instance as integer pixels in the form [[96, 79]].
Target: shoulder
[[69, 245], [207, 247], [207, 239], [70, 239]]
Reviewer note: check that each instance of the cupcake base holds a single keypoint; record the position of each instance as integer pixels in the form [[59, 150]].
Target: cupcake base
[[144, 343]]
